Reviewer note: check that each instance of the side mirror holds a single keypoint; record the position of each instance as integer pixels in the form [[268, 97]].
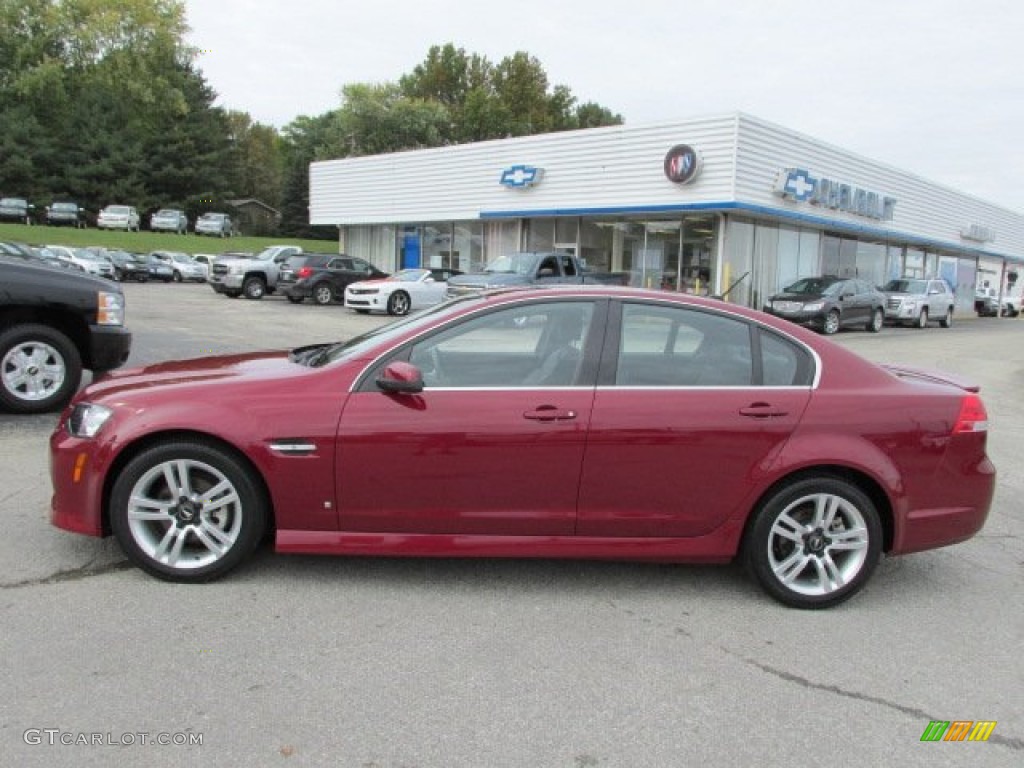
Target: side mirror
[[400, 378]]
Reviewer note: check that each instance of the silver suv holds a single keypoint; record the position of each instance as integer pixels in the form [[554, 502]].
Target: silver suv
[[915, 301]]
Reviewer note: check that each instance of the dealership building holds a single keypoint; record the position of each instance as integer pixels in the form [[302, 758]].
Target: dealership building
[[723, 204]]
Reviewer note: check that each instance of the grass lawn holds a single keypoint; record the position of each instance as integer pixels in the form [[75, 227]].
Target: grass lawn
[[143, 242]]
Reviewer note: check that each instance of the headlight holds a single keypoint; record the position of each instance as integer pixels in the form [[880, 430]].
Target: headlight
[[910, 305], [814, 306], [110, 308], [86, 419]]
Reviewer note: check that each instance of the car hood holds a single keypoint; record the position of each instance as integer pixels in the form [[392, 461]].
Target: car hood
[[227, 371], [801, 297], [488, 279]]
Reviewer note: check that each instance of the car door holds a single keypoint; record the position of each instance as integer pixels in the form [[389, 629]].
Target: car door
[[490, 446], [690, 408]]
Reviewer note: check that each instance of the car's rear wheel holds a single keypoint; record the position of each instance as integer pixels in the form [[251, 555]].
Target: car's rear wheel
[[876, 321], [254, 287], [814, 542], [187, 511], [177, 276], [922, 319], [40, 369], [831, 324], [399, 303], [947, 319], [323, 294]]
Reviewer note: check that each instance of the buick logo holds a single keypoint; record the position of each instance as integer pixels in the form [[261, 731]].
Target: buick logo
[[682, 164]]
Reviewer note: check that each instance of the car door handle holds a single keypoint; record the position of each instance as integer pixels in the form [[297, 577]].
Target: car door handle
[[762, 411], [549, 413]]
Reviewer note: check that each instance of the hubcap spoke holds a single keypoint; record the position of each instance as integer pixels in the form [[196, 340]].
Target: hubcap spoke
[[851, 540], [213, 538], [144, 508], [788, 528], [791, 567], [169, 548]]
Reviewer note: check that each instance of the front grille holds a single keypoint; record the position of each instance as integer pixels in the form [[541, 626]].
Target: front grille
[[893, 303], [220, 270]]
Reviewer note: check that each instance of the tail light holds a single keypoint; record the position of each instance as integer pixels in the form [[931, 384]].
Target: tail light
[[304, 272], [973, 416]]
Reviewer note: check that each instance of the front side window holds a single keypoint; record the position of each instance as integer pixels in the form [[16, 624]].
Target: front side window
[[540, 345]]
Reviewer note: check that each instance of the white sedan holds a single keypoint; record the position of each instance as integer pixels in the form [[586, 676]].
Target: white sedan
[[400, 293]]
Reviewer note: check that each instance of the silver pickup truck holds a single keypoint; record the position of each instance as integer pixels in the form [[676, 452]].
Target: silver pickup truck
[[253, 277], [531, 268]]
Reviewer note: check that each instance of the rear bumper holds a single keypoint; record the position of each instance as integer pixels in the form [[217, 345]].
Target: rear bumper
[[933, 527]]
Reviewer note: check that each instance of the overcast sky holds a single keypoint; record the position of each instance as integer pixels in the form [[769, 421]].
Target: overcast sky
[[934, 87]]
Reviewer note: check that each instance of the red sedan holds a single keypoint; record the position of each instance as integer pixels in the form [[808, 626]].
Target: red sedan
[[576, 422]]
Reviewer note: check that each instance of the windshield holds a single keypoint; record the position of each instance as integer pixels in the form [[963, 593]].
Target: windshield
[[181, 258], [64, 207], [906, 286], [167, 213], [513, 264], [118, 209], [409, 275], [15, 202], [212, 216], [813, 286], [359, 344]]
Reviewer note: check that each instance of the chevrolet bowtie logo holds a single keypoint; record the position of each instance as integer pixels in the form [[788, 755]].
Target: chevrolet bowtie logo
[[795, 183], [519, 176]]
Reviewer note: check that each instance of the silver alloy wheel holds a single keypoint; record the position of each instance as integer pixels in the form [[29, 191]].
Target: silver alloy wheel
[[184, 514], [922, 319], [399, 303], [818, 544], [33, 370]]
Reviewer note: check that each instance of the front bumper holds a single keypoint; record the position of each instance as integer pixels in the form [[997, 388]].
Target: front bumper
[[811, 319], [109, 346], [226, 283]]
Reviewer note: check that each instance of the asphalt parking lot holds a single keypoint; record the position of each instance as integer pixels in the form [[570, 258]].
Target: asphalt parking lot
[[388, 663]]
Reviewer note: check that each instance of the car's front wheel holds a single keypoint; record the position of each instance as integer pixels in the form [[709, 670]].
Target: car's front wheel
[[40, 369], [177, 276], [831, 324], [876, 321], [922, 319], [399, 303], [254, 287], [814, 543], [187, 511]]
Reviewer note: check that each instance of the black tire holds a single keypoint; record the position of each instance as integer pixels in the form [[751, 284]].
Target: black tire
[[232, 294], [214, 538], [877, 320], [254, 287], [177, 276], [322, 294], [947, 319], [831, 324], [40, 369], [295, 299], [791, 551], [922, 319], [363, 311], [399, 304]]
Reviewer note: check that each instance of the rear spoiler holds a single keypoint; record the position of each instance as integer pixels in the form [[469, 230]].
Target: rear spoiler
[[940, 377]]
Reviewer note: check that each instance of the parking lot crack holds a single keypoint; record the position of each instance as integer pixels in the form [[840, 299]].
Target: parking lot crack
[[1015, 743], [74, 574]]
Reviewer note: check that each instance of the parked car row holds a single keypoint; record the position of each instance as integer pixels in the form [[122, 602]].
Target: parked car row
[[829, 303], [115, 216]]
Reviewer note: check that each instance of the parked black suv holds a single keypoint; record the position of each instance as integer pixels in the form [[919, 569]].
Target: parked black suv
[[323, 276], [830, 303], [54, 323]]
